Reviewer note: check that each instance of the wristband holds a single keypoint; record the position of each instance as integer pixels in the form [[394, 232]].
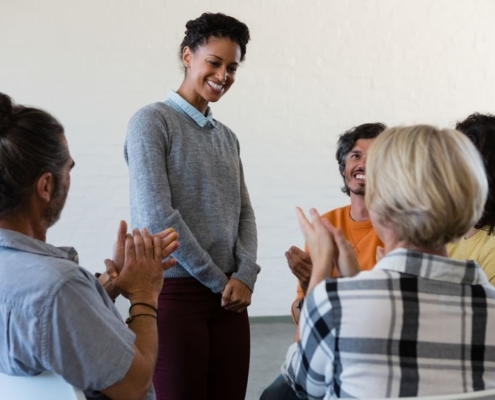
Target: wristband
[[130, 319]]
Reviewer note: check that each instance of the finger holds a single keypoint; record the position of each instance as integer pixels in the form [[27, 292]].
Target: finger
[[226, 295], [148, 244], [169, 263], [304, 223], [166, 241], [122, 231], [328, 225], [169, 237], [300, 254], [163, 234], [119, 245], [315, 216], [130, 253], [168, 250], [138, 243], [111, 269], [341, 241]]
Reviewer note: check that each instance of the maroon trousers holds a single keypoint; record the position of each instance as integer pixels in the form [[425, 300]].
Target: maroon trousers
[[203, 349]]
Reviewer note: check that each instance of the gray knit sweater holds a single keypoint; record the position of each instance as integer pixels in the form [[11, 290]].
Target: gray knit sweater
[[190, 178]]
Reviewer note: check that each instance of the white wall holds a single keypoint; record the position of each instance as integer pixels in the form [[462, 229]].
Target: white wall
[[313, 70]]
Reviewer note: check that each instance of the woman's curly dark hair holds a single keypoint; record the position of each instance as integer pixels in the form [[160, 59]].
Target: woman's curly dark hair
[[480, 129], [219, 25]]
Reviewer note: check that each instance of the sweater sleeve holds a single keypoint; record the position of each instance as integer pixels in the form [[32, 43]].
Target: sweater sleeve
[[151, 199], [247, 241]]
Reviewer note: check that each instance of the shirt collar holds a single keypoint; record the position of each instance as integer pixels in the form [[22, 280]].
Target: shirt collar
[[466, 272], [18, 241], [178, 103]]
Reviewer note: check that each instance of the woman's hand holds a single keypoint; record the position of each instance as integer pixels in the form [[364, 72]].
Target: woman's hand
[[236, 296], [328, 248], [320, 245]]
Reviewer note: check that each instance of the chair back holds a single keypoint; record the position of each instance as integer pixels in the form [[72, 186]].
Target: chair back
[[479, 395], [45, 386]]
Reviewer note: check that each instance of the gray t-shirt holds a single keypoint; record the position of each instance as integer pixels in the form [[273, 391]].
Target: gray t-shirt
[[56, 316]]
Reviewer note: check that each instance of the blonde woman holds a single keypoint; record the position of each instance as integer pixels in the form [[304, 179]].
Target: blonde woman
[[419, 323]]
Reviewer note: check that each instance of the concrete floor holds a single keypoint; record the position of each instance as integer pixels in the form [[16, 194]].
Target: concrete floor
[[270, 338]]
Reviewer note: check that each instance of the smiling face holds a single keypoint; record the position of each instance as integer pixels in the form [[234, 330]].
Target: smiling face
[[210, 71], [355, 167]]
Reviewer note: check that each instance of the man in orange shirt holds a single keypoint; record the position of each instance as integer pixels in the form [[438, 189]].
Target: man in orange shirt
[[353, 219]]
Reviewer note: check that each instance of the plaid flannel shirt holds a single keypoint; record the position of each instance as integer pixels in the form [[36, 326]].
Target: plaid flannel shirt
[[415, 325]]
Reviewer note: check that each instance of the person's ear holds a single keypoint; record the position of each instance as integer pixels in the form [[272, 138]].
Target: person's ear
[[186, 56], [45, 185]]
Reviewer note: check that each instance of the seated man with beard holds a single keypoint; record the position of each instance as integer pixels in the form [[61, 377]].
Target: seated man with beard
[[54, 315]]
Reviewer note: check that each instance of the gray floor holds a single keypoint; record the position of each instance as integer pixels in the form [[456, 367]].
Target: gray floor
[[270, 338]]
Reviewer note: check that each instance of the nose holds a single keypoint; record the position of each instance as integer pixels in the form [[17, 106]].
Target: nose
[[223, 74]]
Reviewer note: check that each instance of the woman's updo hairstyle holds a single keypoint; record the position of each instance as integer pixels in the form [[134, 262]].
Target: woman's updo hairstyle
[[219, 25]]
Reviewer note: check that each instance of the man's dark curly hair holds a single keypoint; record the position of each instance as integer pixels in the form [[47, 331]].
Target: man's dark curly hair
[[348, 139], [219, 25], [480, 129]]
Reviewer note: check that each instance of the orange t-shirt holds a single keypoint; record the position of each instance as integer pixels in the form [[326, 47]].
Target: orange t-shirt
[[361, 235]]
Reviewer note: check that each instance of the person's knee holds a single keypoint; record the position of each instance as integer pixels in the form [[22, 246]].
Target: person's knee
[[279, 389]]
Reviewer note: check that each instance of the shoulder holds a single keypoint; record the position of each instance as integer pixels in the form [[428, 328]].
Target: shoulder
[[337, 214], [153, 109], [153, 113]]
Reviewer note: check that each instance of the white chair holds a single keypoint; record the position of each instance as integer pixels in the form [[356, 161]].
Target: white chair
[[479, 395], [45, 386]]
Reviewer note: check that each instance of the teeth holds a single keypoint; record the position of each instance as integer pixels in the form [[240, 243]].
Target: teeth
[[361, 176], [215, 85]]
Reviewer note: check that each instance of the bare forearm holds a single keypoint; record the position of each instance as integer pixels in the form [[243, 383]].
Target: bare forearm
[[146, 329], [138, 378]]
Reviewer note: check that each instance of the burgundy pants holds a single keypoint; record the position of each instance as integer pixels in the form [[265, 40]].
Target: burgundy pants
[[203, 349]]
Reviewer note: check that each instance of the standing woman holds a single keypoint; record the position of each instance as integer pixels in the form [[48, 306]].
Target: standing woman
[[186, 172]]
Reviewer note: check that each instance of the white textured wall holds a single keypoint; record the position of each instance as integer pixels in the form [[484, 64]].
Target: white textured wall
[[313, 69]]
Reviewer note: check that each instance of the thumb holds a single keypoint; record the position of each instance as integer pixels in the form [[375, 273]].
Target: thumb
[[111, 269]]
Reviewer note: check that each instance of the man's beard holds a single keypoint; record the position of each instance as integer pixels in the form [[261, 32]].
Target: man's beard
[[54, 208], [360, 191]]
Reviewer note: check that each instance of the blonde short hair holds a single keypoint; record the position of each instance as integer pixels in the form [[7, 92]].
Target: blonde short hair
[[426, 184]]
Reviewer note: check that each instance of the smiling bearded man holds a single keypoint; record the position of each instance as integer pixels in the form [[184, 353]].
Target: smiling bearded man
[[353, 219]]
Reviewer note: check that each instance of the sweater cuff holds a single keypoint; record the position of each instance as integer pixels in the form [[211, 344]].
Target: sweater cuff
[[247, 275]]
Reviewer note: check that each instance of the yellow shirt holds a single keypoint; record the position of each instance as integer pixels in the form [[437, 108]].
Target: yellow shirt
[[481, 248]]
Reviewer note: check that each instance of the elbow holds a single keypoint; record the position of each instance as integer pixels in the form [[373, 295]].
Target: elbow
[[138, 392]]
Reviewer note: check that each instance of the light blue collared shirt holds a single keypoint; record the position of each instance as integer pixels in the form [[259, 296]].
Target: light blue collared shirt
[[178, 103]]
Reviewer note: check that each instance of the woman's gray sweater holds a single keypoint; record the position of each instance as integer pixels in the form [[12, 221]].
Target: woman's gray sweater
[[190, 178]]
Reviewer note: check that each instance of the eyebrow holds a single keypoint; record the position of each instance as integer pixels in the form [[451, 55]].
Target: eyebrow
[[220, 58]]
